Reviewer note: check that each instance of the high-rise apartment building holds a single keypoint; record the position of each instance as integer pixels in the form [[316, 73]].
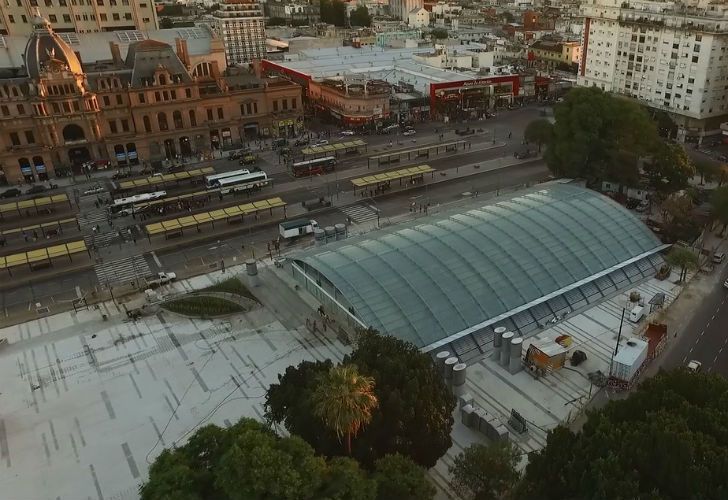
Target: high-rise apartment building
[[401, 8], [80, 16], [241, 25], [670, 55]]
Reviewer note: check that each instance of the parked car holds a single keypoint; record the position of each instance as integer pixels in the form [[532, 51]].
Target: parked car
[[409, 132], [718, 257], [121, 175], [301, 141], [520, 155], [643, 206], [161, 279], [11, 193], [694, 366], [235, 155], [347, 133], [95, 189], [36, 189], [320, 142]]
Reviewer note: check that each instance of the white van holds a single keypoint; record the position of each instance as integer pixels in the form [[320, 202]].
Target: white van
[[636, 314], [718, 257]]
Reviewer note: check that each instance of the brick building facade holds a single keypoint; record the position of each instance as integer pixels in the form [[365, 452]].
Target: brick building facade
[[147, 108]]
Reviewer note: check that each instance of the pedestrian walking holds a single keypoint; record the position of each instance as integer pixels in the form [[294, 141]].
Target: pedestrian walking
[[510, 134], [25, 236]]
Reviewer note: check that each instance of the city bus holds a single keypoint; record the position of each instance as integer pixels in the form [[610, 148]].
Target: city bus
[[211, 180], [121, 207], [246, 182], [314, 167]]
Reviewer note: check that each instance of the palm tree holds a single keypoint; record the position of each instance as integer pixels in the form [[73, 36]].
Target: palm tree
[[344, 400]]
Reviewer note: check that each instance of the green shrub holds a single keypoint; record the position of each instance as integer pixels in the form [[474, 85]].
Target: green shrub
[[231, 285], [203, 306]]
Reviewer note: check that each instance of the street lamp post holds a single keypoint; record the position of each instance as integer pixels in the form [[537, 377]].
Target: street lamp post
[[619, 337]]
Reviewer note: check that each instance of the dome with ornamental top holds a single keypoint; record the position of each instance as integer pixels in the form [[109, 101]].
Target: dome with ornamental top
[[47, 52]]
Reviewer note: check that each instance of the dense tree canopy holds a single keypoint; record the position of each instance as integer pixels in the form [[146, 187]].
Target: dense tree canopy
[[538, 131], [332, 12], [249, 461], [439, 33], [591, 132], [719, 204], [360, 17], [682, 258], [666, 441], [399, 477], [484, 472], [670, 169], [414, 412]]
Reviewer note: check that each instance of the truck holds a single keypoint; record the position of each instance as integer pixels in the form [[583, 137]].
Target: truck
[[295, 228], [161, 279]]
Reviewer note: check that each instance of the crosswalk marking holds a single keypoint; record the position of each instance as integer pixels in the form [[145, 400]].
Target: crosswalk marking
[[92, 218], [360, 213], [102, 240], [123, 270]]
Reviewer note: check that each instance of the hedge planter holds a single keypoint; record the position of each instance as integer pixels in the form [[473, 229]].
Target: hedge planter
[[203, 306]]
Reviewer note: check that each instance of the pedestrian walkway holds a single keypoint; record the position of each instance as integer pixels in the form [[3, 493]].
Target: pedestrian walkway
[[91, 218], [360, 213], [123, 270], [102, 240]]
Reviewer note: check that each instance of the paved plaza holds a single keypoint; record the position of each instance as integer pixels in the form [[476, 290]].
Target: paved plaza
[[88, 403]]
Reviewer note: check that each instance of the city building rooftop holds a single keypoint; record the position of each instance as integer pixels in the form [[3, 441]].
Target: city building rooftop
[[456, 274], [392, 65]]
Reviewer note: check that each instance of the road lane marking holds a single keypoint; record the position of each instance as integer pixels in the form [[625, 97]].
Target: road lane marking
[[715, 359], [701, 333], [712, 318], [690, 352], [720, 350], [156, 260]]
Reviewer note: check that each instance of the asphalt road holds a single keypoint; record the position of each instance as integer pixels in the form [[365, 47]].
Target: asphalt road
[[704, 337], [64, 288]]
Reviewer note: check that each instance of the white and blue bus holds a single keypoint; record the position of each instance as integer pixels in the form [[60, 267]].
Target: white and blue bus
[[211, 180], [246, 182], [125, 206]]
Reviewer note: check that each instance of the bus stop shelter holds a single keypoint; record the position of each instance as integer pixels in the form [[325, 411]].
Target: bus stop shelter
[[383, 181], [42, 257], [349, 147], [423, 151], [163, 180], [46, 229], [36, 206], [173, 228]]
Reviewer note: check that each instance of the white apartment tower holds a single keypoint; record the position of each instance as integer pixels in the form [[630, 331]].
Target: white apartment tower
[[670, 55], [80, 16], [401, 8], [241, 25]]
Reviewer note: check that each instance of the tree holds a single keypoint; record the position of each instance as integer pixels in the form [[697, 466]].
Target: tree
[[439, 34], [679, 221], [399, 477], [683, 258], [485, 472], [414, 415], [333, 12], [248, 461], [538, 131], [666, 441], [719, 202], [344, 401], [360, 17], [166, 23], [670, 169], [708, 170], [344, 480], [592, 129]]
